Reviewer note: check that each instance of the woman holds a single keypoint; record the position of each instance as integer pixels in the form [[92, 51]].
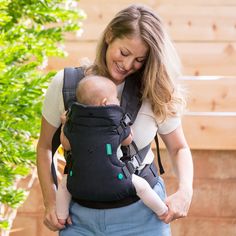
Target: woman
[[133, 42]]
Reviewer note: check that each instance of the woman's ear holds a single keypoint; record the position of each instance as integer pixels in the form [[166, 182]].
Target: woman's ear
[[108, 36]]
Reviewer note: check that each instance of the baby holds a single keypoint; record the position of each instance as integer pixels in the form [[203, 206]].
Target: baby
[[101, 91]]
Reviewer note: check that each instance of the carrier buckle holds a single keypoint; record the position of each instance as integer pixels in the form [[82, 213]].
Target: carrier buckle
[[135, 161], [124, 123], [125, 120], [133, 164]]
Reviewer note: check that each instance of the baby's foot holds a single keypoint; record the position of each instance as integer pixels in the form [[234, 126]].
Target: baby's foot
[[62, 221]]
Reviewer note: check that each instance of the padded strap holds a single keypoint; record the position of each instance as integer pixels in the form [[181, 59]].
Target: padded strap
[[71, 77], [131, 97]]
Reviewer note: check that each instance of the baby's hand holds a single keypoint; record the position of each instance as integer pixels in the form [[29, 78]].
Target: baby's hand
[[62, 221], [63, 118]]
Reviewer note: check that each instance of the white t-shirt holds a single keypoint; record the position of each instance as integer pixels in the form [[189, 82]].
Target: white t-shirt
[[144, 128]]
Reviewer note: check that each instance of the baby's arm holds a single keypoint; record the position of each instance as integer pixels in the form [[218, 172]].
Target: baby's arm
[[64, 141], [149, 197], [128, 140]]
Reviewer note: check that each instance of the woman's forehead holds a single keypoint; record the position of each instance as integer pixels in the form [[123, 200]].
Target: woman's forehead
[[134, 45]]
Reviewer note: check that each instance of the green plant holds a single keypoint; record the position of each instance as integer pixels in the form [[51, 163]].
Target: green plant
[[30, 32]]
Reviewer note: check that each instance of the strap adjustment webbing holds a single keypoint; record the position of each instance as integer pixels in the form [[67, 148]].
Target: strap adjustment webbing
[[125, 122]]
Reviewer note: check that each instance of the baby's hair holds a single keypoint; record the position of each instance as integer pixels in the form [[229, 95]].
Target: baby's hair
[[92, 89]]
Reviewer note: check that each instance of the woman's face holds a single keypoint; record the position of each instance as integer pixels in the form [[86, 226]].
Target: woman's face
[[125, 56]]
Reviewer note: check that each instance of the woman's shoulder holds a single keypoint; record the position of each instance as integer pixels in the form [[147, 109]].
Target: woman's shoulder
[[57, 79], [164, 127], [53, 105], [169, 125], [146, 108]]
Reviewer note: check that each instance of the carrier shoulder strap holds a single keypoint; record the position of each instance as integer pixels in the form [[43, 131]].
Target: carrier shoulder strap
[[131, 96], [131, 101], [71, 77]]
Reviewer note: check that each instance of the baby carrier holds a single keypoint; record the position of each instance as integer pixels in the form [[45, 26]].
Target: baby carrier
[[96, 177]]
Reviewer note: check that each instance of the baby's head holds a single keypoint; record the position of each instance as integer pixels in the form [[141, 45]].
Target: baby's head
[[96, 91]]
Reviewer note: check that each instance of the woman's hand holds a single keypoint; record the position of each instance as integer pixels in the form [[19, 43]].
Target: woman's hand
[[178, 204], [51, 221]]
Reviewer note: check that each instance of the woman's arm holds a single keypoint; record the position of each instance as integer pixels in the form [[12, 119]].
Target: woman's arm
[[181, 157], [44, 173]]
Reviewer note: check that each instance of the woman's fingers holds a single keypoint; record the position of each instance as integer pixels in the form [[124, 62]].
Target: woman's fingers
[[51, 221], [178, 206]]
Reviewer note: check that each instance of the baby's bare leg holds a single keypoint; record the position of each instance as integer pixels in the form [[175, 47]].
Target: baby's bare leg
[[63, 198], [149, 197]]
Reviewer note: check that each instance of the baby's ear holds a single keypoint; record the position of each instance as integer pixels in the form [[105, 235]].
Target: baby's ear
[[104, 102]]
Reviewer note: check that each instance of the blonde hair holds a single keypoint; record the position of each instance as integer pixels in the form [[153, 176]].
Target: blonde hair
[[162, 65]]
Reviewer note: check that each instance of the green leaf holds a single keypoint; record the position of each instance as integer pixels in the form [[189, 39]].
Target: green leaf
[[30, 32]]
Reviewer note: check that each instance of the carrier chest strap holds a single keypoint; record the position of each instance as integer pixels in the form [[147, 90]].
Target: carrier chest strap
[[136, 160]]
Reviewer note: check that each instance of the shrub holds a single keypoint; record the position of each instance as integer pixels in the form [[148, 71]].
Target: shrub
[[30, 32]]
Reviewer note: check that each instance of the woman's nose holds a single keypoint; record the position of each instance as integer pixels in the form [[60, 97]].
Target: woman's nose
[[128, 63]]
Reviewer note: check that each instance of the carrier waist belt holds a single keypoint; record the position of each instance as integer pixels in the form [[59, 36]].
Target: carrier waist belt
[[149, 173]]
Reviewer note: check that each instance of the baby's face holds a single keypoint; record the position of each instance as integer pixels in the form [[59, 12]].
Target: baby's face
[[112, 96]]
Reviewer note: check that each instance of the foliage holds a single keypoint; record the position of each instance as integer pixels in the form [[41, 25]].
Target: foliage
[[30, 32]]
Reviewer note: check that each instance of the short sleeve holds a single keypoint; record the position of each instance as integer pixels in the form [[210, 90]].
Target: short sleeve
[[53, 105], [169, 125]]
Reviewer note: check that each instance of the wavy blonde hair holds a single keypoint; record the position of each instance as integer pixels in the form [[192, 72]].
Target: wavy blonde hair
[[162, 66]]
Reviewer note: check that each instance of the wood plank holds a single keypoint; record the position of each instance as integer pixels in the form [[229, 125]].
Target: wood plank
[[95, 3], [184, 22], [208, 58], [197, 58], [199, 23], [223, 192], [209, 130], [207, 226], [210, 93], [77, 51]]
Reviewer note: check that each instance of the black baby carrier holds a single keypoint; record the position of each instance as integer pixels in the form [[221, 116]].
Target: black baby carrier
[[96, 177]]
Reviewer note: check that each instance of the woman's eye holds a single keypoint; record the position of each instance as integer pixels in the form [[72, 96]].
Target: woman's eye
[[140, 60], [125, 54]]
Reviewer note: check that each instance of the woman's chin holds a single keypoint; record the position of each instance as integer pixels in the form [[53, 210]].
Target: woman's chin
[[117, 78]]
